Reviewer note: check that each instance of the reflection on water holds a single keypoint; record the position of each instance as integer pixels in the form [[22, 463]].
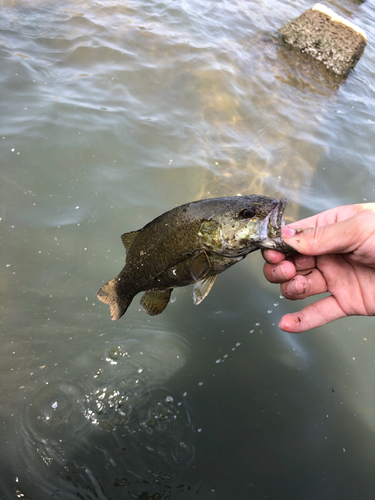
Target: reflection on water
[[291, 88], [112, 113]]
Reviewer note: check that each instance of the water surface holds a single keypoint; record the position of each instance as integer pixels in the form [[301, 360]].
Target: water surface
[[112, 113]]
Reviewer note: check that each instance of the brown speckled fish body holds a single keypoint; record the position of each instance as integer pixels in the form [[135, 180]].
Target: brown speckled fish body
[[192, 244]]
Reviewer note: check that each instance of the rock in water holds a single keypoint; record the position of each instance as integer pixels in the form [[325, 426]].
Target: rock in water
[[326, 37]]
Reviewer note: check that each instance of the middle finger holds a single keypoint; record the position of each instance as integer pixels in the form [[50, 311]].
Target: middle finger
[[305, 284]]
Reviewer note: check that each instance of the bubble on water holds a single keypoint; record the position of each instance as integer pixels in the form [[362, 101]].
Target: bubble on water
[[114, 354], [109, 407]]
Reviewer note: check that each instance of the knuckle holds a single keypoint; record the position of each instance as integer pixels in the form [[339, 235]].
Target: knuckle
[[317, 234]]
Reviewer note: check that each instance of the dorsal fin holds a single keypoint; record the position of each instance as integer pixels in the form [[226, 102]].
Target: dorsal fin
[[128, 238]]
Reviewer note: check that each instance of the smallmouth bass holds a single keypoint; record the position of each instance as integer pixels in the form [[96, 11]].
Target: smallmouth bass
[[192, 244]]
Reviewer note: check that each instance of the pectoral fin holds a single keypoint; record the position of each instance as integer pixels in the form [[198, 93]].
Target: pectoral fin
[[200, 265], [202, 288], [155, 301]]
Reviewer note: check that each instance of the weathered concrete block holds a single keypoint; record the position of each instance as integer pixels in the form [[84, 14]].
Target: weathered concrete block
[[327, 37]]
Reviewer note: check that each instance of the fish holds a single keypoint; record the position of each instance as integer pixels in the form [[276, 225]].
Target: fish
[[192, 244]]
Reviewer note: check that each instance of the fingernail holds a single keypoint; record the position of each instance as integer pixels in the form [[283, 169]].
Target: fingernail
[[300, 285], [297, 286], [288, 232], [283, 271]]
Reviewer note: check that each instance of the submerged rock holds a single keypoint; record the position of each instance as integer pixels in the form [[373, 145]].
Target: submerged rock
[[326, 37]]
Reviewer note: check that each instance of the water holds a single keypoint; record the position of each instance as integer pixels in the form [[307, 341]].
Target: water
[[113, 112]]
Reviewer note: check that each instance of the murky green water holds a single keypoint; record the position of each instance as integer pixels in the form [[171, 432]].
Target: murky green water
[[113, 112]]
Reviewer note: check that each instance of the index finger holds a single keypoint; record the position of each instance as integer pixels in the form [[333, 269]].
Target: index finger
[[272, 256], [331, 216], [301, 262]]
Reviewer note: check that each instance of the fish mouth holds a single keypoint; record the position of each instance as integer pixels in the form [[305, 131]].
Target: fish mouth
[[271, 236], [276, 219]]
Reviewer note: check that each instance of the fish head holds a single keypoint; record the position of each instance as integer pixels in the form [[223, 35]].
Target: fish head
[[244, 224]]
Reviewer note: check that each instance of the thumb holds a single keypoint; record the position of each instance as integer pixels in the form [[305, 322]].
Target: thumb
[[340, 237]]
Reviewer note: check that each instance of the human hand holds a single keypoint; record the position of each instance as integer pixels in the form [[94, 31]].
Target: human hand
[[336, 254]]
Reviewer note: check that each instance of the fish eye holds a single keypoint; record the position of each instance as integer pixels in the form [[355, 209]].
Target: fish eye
[[246, 213]]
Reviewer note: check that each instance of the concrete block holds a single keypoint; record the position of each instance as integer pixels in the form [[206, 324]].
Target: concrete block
[[326, 37]]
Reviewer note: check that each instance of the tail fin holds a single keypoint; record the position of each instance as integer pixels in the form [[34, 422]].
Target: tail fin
[[116, 301]]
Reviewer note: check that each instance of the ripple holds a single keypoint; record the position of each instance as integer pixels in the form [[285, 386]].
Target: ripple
[[52, 428], [124, 408], [130, 399], [55, 412], [165, 426], [127, 383]]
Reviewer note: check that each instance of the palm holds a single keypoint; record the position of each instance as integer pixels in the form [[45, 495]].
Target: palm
[[336, 255], [352, 284]]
